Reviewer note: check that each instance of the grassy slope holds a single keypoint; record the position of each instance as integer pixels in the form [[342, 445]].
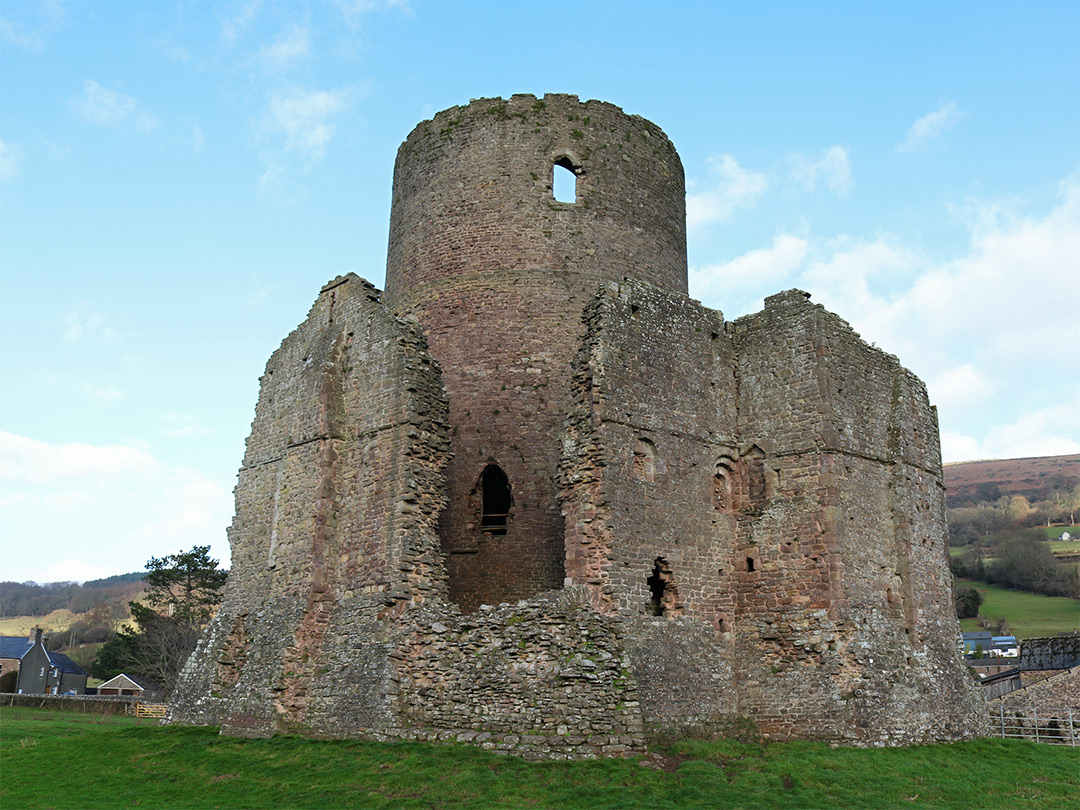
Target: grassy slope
[[56, 621], [110, 762], [1029, 615]]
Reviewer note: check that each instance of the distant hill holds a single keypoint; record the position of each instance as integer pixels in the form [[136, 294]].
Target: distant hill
[[36, 599], [1034, 478]]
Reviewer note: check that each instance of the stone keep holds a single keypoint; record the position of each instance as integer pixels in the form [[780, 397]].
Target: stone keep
[[534, 497]]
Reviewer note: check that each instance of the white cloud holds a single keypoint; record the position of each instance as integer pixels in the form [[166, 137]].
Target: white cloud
[[26, 460], [102, 509], [833, 168], [989, 329], [730, 188], [960, 387], [296, 130], [291, 46], [300, 118], [197, 139], [191, 505], [931, 127], [70, 570], [84, 325], [100, 105], [957, 447], [1044, 432], [10, 155], [727, 284]]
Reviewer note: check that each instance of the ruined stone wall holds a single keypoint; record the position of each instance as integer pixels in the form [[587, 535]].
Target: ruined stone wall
[[498, 271], [336, 506], [716, 478], [336, 620], [655, 410], [845, 629]]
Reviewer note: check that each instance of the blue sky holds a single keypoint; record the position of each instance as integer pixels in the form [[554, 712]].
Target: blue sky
[[177, 180]]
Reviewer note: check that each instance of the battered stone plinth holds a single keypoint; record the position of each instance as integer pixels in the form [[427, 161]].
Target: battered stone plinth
[[535, 498]]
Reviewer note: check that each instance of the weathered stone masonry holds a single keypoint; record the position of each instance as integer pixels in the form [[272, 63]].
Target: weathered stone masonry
[[535, 498]]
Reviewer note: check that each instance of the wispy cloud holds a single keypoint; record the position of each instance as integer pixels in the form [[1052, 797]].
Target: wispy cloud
[[290, 47], [40, 21], [729, 189], [931, 127], [353, 11], [85, 325], [296, 130], [10, 155], [833, 168], [100, 105], [235, 24], [183, 426]]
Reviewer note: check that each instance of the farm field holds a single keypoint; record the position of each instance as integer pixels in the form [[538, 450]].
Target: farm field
[[113, 762], [1029, 615]]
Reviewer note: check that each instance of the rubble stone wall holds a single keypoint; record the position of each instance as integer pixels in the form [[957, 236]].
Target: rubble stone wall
[[336, 507]]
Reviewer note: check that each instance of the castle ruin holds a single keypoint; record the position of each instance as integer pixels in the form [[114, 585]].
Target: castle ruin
[[534, 497]]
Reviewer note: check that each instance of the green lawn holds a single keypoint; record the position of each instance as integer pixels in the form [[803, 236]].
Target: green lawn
[[1055, 531], [56, 760], [1030, 615]]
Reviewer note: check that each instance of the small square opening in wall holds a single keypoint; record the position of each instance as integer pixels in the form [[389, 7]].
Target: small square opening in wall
[[564, 181]]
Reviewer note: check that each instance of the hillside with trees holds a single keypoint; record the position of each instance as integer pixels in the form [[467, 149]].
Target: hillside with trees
[[1002, 515]]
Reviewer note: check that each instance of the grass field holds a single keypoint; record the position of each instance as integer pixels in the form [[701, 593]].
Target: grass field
[[1055, 531], [55, 760], [1029, 615], [21, 625]]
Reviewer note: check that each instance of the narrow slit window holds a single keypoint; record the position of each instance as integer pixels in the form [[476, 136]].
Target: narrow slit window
[[495, 500], [564, 181]]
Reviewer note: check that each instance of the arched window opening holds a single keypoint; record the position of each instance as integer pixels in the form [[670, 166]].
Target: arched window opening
[[663, 596], [644, 465], [495, 500], [722, 485], [755, 477], [564, 181]]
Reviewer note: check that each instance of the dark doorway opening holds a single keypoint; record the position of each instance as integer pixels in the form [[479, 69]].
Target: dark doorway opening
[[662, 596], [495, 500]]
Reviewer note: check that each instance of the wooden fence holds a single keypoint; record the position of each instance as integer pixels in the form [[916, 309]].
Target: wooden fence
[[150, 709], [1057, 726]]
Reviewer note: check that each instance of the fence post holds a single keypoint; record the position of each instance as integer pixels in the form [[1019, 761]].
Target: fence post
[[1072, 730], [1001, 712], [1035, 714]]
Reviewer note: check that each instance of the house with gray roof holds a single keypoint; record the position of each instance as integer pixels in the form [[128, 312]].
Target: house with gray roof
[[37, 671]]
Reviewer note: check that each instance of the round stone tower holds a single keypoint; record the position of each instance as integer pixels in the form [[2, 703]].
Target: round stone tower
[[497, 271]]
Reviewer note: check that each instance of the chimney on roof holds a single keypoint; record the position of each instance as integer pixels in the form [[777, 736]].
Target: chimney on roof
[[35, 635]]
